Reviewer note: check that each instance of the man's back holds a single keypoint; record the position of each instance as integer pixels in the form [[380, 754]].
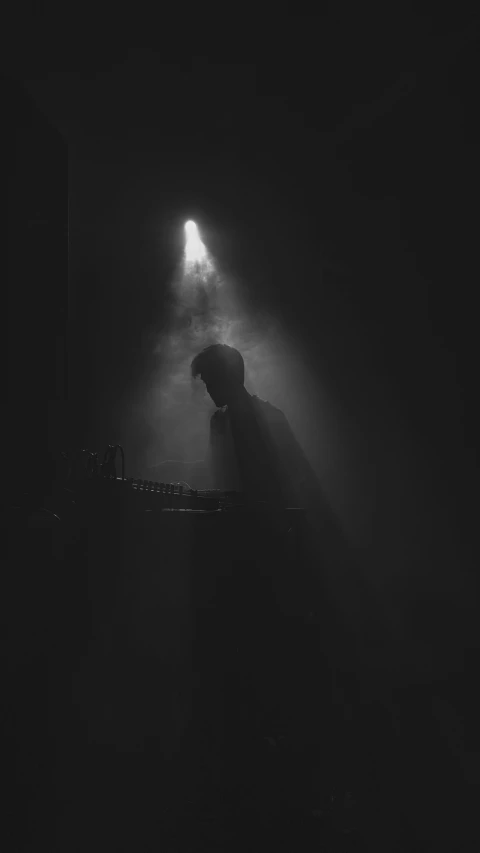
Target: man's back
[[257, 451]]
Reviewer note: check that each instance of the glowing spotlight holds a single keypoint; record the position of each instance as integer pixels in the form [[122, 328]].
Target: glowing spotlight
[[195, 251]]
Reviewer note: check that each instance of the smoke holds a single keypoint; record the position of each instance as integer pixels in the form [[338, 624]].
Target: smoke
[[171, 412]]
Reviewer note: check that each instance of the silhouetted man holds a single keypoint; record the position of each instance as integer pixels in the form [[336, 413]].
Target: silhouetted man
[[252, 448]]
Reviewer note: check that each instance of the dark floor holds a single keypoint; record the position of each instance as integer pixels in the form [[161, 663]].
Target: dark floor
[[133, 805], [359, 786], [253, 794], [373, 776]]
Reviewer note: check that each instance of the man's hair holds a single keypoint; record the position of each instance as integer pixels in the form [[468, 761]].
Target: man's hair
[[219, 361]]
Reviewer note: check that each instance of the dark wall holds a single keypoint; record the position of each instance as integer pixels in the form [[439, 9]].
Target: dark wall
[[37, 169]]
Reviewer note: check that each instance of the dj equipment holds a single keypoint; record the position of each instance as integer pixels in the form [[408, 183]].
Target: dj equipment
[[93, 482], [146, 495]]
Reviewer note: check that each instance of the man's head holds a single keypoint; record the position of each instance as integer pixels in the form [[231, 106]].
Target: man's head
[[222, 369]]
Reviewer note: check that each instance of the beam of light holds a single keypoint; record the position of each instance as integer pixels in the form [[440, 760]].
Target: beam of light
[[198, 267], [173, 412], [195, 251]]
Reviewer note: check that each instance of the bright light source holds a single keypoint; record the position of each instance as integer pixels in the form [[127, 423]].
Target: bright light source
[[195, 251]]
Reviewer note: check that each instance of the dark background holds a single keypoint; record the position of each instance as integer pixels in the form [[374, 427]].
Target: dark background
[[345, 191]]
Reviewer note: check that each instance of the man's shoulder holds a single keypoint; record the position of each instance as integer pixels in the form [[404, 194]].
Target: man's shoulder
[[267, 409]]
